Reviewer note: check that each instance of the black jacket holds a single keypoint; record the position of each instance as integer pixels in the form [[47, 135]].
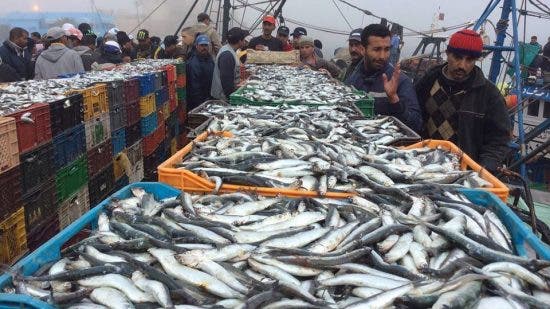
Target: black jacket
[[7, 73], [483, 122], [21, 65], [199, 79]]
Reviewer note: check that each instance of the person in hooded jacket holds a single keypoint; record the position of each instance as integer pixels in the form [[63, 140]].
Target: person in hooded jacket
[[58, 59], [85, 49]]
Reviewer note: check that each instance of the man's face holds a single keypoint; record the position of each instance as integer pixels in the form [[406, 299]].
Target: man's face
[[22, 40], [283, 38], [206, 21], [296, 39], [306, 51], [127, 46], [187, 38], [170, 49], [533, 40], [356, 50], [377, 52], [459, 66], [268, 27], [202, 49], [144, 44]]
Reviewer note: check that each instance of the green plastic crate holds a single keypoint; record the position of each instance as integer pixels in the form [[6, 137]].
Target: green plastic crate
[[180, 68], [70, 178], [366, 106], [181, 93]]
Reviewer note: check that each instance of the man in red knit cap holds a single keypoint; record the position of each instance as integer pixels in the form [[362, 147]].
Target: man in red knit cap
[[460, 105]]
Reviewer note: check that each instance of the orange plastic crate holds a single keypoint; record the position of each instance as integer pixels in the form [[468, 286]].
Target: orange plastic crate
[[181, 81], [499, 188], [191, 182], [170, 73], [9, 149]]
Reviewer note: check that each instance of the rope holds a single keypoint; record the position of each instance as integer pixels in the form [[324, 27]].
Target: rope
[[342, 14], [147, 17]]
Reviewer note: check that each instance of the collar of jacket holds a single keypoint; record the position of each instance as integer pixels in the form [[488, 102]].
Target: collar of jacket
[[18, 50], [388, 69], [479, 79]]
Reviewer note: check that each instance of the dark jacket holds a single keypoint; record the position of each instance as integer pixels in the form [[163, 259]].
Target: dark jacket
[[351, 67], [406, 110], [21, 65], [7, 73], [483, 124], [87, 56], [199, 72]]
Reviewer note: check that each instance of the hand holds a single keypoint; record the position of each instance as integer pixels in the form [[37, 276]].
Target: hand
[[324, 71], [260, 47], [391, 86]]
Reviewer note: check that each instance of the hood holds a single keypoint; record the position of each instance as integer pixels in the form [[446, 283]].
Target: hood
[[80, 50], [54, 52]]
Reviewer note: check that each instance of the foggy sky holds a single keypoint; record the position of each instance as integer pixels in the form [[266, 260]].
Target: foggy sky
[[414, 14]]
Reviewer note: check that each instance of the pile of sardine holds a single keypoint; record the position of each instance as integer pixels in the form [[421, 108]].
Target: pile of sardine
[[267, 154], [318, 125], [19, 95], [287, 84], [240, 251]]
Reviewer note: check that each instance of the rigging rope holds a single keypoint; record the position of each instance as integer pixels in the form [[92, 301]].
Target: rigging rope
[[342, 14], [147, 17]]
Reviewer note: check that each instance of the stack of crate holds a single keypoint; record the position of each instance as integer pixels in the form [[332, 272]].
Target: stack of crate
[[181, 111], [69, 144], [36, 157], [13, 234], [172, 126], [153, 127], [118, 111], [94, 168]]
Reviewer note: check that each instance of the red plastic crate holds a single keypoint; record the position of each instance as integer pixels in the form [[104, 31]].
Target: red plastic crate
[[150, 143], [172, 97], [181, 81], [170, 73], [133, 115], [33, 126], [131, 90], [182, 113], [99, 157]]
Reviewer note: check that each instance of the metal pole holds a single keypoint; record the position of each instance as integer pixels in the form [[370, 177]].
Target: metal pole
[[225, 28], [511, 5], [501, 36], [486, 14], [186, 17], [207, 6], [279, 9]]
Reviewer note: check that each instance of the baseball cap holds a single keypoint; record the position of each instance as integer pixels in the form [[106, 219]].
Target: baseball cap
[[237, 33], [305, 40], [270, 19], [170, 40], [113, 31], [122, 37], [355, 35], [67, 26], [143, 34], [299, 31], [73, 32], [283, 30], [112, 47], [203, 40], [55, 33]]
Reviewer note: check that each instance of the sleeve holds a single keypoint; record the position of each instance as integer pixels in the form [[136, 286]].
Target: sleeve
[[332, 68], [79, 66], [216, 42], [37, 71], [252, 44], [496, 133], [407, 109], [226, 65]]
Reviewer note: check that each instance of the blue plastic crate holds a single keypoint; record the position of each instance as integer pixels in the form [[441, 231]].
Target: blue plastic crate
[[149, 124], [69, 145], [51, 250], [521, 234], [161, 97], [146, 84], [118, 139]]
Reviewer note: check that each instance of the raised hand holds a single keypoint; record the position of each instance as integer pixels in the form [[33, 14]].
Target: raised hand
[[391, 86]]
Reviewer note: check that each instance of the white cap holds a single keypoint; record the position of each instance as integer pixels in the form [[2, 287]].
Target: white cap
[[67, 26], [113, 43], [113, 31]]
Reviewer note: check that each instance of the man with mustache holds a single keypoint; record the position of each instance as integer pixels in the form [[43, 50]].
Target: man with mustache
[[355, 51], [460, 105], [393, 92]]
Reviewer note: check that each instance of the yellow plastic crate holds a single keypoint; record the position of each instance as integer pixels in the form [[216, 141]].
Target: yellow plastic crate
[[147, 105], [13, 237], [94, 99]]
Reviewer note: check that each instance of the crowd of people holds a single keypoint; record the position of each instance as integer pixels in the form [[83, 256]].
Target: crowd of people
[[453, 101]]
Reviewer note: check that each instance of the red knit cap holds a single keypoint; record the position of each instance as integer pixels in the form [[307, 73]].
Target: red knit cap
[[466, 42]]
